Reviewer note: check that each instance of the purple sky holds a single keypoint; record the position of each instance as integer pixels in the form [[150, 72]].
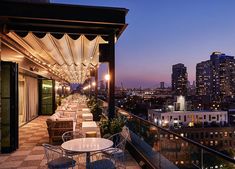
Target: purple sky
[[165, 32]]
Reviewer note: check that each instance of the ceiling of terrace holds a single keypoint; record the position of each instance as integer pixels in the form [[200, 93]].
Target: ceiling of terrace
[[64, 39], [69, 58]]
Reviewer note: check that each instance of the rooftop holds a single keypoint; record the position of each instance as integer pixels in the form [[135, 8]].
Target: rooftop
[[30, 154]]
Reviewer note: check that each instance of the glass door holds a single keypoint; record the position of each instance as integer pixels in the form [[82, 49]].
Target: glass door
[[9, 112], [47, 97]]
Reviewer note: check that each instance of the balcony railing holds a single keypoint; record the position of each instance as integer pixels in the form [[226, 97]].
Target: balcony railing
[[164, 149]]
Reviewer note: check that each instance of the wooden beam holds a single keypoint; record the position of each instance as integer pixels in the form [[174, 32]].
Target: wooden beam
[[45, 16]]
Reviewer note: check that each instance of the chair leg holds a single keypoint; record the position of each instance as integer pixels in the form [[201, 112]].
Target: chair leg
[[120, 161]]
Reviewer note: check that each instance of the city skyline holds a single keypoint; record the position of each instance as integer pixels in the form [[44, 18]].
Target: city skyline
[[163, 33]]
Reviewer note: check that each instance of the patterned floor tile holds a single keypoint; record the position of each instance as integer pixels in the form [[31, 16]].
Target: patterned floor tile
[[30, 154], [28, 167], [20, 153], [36, 152], [16, 158], [34, 157], [11, 164], [30, 163], [4, 158]]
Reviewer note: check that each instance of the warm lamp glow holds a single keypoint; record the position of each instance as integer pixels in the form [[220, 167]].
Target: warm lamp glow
[[68, 88], [93, 83], [107, 77]]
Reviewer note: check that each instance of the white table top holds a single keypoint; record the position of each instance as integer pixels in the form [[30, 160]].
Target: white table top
[[89, 124], [87, 144], [86, 109], [87, 115]]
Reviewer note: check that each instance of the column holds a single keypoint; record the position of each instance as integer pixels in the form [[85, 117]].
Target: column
[[111, 82], [96, 81]]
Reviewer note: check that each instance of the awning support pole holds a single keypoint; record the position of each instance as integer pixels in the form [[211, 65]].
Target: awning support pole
[[96, 81], [111, 82]]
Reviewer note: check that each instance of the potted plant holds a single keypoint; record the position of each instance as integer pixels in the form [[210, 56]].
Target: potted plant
[[96, 111], [91, 102], [113, 126], [104, 126], [117, 124]]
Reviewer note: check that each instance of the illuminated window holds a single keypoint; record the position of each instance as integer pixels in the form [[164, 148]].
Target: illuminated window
[[225, 134], [211, 143]]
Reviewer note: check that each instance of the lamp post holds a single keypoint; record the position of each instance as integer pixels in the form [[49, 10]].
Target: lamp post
[[107, 78]]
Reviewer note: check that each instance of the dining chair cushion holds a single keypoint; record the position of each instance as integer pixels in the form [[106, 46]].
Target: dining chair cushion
[[102, 164], [114, 151], [61, 162]]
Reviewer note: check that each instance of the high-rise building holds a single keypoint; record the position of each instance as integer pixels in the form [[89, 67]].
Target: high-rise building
[[179, 79], [162, 85], [215, 79], [203, 83]]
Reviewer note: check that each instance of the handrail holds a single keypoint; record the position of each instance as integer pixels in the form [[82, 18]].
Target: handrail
[[183, 138]]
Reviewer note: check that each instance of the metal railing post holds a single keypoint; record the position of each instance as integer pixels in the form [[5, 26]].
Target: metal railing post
[[202, 158]]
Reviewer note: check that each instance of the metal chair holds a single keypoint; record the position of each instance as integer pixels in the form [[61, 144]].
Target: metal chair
[[99, 161], [117, 152], [69, 135], [56, 159]]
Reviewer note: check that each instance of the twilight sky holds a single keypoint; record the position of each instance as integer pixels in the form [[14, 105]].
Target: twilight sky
[[165, 32]]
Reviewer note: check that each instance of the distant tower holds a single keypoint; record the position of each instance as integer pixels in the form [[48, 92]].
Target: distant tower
[[203, 73], [215, 78], [222, 76], [179, 80], [162, 85]]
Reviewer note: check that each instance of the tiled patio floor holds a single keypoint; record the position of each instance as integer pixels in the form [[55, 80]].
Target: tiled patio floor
[[30, 154]]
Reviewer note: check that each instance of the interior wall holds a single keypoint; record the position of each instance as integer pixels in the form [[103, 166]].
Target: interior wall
[[28, 82], [22, 100], [28, 98], [32, 97]]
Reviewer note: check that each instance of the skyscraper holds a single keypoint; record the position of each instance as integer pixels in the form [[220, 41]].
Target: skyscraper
[[215, 79], [179, 79], [203, 71], [162, 85]]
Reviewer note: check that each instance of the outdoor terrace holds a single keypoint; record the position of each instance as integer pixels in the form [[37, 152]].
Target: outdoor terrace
[[30, 154]]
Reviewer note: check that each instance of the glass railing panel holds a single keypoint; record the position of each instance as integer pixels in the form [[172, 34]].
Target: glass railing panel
[[167, 150], [178, 152], [210, 160]]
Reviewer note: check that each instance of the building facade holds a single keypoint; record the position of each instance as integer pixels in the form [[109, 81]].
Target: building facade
[[215, 80], [179, 79], [187, 118]]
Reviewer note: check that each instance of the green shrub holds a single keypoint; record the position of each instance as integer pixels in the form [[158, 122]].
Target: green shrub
[[113, 126]]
